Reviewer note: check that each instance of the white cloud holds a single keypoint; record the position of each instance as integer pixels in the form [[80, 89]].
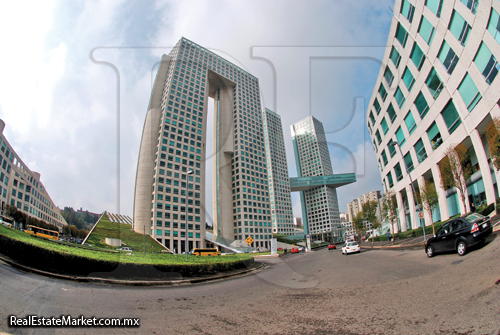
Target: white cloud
[[60, 107]]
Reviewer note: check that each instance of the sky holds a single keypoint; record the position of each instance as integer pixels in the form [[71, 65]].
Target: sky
[[76, 79]]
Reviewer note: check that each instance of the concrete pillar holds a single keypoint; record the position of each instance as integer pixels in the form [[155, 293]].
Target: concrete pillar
[[413, 216], [443, 204], [402, 215], [483, 166], [147, 151]]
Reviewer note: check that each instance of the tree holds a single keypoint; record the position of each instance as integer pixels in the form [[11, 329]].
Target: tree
[[493, 136], [430, 200], [456, 169], [390, 209], [357, 223], [370, 215]]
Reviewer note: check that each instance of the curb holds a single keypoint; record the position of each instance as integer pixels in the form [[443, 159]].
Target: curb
[[395, 246], [259, 268]]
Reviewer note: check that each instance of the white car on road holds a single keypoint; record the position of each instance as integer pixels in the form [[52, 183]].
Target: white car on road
[[350, 247]]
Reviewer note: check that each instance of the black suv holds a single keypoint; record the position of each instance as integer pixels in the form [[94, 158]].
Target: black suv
[[460, 234]]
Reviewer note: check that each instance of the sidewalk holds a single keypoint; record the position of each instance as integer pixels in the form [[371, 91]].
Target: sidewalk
[[418, 241]]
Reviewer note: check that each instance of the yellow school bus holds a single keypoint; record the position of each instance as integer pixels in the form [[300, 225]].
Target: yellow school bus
[[52, 234], [205, 252]]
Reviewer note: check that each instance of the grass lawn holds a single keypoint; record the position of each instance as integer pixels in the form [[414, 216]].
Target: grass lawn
[[136, 257], [106, 228]]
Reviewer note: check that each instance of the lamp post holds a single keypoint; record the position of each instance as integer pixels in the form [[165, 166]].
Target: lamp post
[[186, 246], [392, 144]]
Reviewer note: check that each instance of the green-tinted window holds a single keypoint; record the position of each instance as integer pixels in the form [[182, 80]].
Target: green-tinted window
[[385, 128], [407, 9], [384, 157], [370, 127], [435, 6], [420, 151], [400, 136], [388, 76], [409, 162], [392, 150], [448, 57], [399, 172], [408, 79], [421, 105], [410, 123], [400, 98], [417, 56], [159, 232], [494, 25], [486, 63], [389, 178], [379, 139], [392, 113], [451, 117], [471, 4], [459, 28], [434, 136], [469, 92], [372, 119], [426, 30], [376, 104], [434, 83], [401, 35], [382, 91], [375, 146], [395, 57]]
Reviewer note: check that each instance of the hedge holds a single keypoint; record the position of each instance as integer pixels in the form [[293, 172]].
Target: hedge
[[487, 210]]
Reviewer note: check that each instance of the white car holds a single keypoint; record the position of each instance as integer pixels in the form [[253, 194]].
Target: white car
[[350, 247]]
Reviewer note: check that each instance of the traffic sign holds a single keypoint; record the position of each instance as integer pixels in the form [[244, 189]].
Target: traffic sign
[[420, 215], [249, 240]]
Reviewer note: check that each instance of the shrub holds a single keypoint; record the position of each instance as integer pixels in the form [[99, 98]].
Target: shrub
[[487, 210]]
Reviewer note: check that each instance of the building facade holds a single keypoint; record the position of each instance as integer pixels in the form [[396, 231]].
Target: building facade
[[297, 222], [173, 143], [356, 206], [437, 88], [319, 204], [20, 187], [277, 172]]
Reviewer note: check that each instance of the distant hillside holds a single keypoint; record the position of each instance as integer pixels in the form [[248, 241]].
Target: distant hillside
[[81, 219]]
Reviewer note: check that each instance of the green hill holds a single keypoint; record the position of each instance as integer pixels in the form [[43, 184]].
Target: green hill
[[106, 228]]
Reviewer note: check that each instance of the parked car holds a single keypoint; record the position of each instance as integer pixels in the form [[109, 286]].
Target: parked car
[[350, 247], [332, 246], [460, 234], [302, 249], [125, 249], [295, 250]]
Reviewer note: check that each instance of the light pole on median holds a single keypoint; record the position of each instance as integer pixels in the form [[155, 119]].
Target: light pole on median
[[186, 246], [392, 144]]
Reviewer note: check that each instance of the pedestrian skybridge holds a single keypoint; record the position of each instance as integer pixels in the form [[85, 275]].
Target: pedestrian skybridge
[[334, 180]]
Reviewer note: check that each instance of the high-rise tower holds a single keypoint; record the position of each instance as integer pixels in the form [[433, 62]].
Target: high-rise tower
[[319, 204], [277, 171], [174, 142]]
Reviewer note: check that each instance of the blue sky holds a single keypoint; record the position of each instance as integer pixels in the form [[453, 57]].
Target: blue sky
[[60, 101]]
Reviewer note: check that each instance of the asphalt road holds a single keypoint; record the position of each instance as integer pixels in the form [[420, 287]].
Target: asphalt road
[[323, 292]]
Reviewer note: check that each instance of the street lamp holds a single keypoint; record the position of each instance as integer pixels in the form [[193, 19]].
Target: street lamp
[[392, 144], [186, 246]]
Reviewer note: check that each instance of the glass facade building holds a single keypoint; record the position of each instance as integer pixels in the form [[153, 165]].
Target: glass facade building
[[442, 91], [174, 142], [277, 171], [319, 204], [20, 187]]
